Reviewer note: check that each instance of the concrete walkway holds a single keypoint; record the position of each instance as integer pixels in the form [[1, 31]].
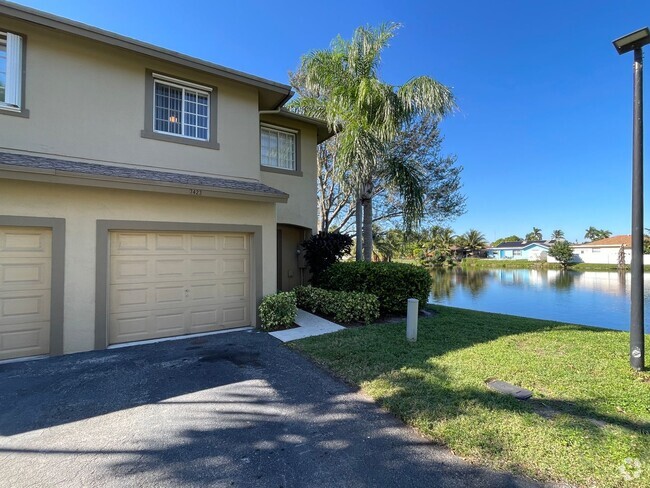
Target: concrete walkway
[[230, 410], [308, 325]]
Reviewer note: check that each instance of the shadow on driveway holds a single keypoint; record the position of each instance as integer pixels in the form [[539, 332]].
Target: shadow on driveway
[[236, 409]]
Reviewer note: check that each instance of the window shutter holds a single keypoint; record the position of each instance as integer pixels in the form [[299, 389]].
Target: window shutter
[[14, 70]]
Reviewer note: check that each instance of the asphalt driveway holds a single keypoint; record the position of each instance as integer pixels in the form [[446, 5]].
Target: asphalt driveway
[[236, 409]]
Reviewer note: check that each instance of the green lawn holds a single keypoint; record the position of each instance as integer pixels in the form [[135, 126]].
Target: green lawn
[[589, 413]]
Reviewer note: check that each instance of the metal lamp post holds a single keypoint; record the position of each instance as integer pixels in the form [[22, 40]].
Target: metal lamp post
[[635, 42]]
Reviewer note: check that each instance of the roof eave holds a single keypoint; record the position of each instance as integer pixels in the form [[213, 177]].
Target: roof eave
[[279, 93], [323, 130], [8, 171]]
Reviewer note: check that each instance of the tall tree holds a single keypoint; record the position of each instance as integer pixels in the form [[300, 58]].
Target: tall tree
[[342, 86], [512, 238], [473, 240], [593, 234], [557, 234], [418, 144], [535, 235]]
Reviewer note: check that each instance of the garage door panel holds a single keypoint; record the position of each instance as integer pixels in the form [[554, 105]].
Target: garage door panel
[[130, 296], [30, 339], [234, 267], [25, 242], [169, 242], [164, 284], [130, 269], [126, 327], [203, 243], [203, 292], [235, 315], [25, 273], [130, 242], [171, 268], [235, 243], [24, 306], [203, 320], [170, 322], [204, 268], [174, 294], [234, 290]]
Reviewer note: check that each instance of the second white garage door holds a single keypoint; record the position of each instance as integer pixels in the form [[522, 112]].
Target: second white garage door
[[164, 284]]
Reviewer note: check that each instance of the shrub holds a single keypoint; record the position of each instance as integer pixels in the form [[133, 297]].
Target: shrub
[[343, 307], [562, 252], [392, 283], [324, 249], [278, 311], [312, 299]]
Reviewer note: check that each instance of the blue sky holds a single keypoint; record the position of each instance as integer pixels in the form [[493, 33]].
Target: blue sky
[[545, 103]]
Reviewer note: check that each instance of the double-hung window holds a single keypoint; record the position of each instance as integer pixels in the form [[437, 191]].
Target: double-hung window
[[11, 71], [181, 109], [278, 147]]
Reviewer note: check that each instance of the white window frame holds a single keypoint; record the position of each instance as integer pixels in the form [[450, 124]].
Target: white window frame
[[185, 86], [517, 252], [14, 82], [284, 130]]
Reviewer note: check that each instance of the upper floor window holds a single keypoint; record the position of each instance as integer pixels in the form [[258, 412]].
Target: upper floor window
[[181, 109], [278, 147], [11, 71]]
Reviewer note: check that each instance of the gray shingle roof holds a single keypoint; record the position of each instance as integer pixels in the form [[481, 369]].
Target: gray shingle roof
[[520, 244], [141, 175]]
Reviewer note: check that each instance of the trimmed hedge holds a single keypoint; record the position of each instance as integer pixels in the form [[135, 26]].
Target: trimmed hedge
[[344, 307], [278, 311], [392, 283]]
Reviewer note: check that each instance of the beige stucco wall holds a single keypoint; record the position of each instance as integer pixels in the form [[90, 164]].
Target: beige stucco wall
[[87, 101], [82, 207], [301, 207]]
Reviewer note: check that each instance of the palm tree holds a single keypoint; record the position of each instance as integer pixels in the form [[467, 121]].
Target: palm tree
[[557, 235], [473, 240], [535, 235], [341, 85], [386, 245], [442, 240], [593, 234]]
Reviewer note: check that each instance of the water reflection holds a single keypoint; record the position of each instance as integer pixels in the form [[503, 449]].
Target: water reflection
[[598, 298]]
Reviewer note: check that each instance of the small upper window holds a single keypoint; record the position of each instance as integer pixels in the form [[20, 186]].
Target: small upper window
[[11, 70], [278, 148], [181, 109]]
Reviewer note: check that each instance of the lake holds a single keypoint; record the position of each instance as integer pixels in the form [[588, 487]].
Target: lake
[[599, 298]]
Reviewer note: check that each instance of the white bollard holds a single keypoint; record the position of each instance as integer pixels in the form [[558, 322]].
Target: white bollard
[[412, 320]]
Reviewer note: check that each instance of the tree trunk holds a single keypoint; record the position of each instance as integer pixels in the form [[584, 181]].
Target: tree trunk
[[358, 216], [366, 200]]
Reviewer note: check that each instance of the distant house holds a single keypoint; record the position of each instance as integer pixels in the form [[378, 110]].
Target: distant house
[[603, 251], [529, 250]]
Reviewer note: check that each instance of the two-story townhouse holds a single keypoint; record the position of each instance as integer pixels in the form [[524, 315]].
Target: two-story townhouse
[[143, 193]]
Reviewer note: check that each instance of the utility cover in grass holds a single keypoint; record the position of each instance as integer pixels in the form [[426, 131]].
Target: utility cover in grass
[[507, 389]]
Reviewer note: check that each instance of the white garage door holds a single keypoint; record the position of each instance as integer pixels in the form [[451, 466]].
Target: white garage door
[[25, 286], [165, 284]]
